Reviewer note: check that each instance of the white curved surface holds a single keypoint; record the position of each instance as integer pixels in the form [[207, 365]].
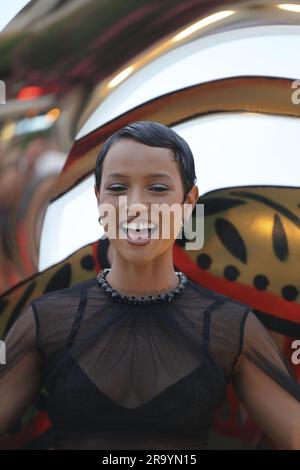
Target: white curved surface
[[264, 50]]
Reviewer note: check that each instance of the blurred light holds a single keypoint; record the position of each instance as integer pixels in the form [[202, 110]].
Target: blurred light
[[263, 225], [8, 131], [120, 77], [294, 7], [38, 123], [202, 23], [29, 92], [52, 115], [32, 112]]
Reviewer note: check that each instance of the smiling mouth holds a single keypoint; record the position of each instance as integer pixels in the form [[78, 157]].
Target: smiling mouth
[[135, 231]]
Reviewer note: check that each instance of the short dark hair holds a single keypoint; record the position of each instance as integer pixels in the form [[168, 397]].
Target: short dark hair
[[156, 135]]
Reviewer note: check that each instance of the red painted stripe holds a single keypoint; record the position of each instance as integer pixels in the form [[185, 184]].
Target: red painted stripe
[[37, 426], [98, 267]]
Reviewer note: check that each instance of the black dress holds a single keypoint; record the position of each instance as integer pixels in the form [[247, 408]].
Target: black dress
[[144, 376]]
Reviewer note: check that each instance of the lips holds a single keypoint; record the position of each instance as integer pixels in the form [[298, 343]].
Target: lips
[[136, 234], [138, 230]]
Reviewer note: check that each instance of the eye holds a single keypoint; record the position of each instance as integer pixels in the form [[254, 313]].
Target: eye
[[116, 188], [159, 188]]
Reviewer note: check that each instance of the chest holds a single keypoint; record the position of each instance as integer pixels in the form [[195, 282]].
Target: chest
[[184, 406]]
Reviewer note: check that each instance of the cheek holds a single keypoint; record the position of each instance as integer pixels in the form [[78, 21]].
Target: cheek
[[170, 224], [108, 199], [117, 206]]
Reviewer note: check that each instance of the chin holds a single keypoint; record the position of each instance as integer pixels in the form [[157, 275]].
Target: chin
[[140, 255]]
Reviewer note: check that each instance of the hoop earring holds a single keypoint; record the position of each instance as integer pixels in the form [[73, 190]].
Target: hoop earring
[[99, 220]]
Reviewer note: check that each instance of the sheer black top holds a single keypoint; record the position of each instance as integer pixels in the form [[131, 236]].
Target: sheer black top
[[139, 376]]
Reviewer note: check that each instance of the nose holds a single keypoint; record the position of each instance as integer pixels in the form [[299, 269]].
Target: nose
[[136, 195], [138, 204]]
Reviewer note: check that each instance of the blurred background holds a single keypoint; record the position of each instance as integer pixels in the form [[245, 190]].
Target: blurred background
[[223, 74], [71, 67]]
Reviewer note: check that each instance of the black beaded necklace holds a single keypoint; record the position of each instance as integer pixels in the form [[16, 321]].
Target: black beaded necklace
[[138, 300]]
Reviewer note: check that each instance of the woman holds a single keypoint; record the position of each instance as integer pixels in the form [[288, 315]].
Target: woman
[[139, 356]]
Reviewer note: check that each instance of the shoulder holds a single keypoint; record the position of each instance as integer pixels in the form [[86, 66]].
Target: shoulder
[[227, 319], [226, 326], [221, 302], [68, 296]]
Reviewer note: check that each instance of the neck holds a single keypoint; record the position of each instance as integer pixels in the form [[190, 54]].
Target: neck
[[151, 278]]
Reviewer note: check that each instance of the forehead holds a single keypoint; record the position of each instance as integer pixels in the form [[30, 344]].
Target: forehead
[[128, 155]]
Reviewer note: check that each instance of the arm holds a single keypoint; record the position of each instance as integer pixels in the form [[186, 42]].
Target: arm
[[21, 375], [266, 386]]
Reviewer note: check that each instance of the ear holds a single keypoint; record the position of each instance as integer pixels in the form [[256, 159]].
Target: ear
[[192, 196], [96, 193]]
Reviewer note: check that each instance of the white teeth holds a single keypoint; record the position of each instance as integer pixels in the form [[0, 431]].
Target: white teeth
[[137, 226]]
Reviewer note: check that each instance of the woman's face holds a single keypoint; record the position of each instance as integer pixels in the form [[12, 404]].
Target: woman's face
[[136, 166]]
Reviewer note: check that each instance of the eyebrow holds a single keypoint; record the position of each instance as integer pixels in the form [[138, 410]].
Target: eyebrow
[[152, 175]]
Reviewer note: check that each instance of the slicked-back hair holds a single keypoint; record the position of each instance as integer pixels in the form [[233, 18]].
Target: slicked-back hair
[[153, 134]]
